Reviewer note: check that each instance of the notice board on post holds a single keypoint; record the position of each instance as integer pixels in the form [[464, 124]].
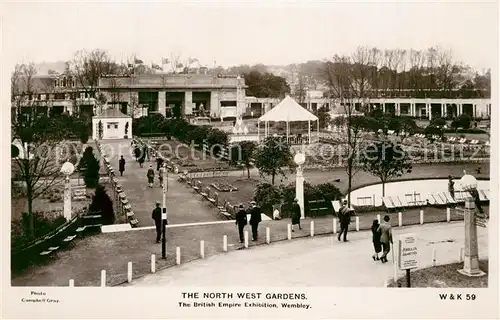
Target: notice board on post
[[408, 252]]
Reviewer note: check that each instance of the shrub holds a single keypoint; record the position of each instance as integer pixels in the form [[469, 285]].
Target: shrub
[[90, 167], [438, 122], [462, 121], [103, 205], [266, 195]]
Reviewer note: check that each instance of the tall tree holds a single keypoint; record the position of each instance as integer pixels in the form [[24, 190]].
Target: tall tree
[[386, 161], [37, 168], [272, 157], [348, 79], [88, 66], [243, 152]]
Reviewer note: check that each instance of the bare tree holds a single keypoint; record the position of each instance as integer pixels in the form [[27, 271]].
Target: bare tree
[[88, 66], [348, 78]]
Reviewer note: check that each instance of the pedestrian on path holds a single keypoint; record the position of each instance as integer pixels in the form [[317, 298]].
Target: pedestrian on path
[[345, 219], [241, 221], [377, 245], [156, 216], [161, 174], [255, 219], [296, 214], [451, 186], [137, 153], [385, 238], [142, 158], [159, 162], [121, 165], [151, 176]]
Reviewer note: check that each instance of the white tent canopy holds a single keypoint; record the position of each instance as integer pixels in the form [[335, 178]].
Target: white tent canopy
[[288, 110]]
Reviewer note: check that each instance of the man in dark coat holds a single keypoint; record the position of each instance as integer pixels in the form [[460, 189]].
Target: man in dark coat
[[121, 165], [255, 219], [159, 162], [156, 216], [137, 153], [241, 221], [345, 220], [295, 214], [151, 176]]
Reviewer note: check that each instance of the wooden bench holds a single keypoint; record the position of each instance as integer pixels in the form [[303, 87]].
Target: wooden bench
[[134, 223], [69, 239]]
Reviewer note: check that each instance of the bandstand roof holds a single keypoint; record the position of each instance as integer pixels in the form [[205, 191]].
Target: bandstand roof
[[288, 110], [111, 113]]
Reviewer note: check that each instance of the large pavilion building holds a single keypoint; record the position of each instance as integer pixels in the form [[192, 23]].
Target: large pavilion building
[[203, 95]]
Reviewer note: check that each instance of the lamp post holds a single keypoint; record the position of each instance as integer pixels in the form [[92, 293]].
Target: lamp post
[[238, 112], [67, 169], [299, 159], [164, 216], [471, 256]]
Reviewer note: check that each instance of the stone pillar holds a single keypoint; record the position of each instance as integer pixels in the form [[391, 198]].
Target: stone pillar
[[471, 259], [428, 109], [443, 110], [383, 107], [474, 111], [214, 103], [299, 190], [67, 199], [162, 102], [398, 109], [188, 102], [460, 109]]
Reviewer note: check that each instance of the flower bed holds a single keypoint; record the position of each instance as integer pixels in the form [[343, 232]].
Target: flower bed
[[224, 187]]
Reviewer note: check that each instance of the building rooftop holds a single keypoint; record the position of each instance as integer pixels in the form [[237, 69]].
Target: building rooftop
[[111, 113], [173, 81]]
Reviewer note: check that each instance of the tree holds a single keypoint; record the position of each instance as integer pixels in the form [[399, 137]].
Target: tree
[[243, 153], [100, 129], [90, 167], [88, 66], [37, 168], [324, 117], [103, 205], [386, 161], [348, 79], [273, 156], [265, 85], [462, 121]]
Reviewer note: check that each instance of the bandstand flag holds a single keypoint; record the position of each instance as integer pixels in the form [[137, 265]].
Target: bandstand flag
[[155, 66], [138, 61], [165, 61]]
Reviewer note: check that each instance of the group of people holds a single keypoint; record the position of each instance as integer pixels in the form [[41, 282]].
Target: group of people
[[151, 175], [242, 220]]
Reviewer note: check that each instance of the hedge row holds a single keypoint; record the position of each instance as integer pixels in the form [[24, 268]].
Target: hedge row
[[157, 125]]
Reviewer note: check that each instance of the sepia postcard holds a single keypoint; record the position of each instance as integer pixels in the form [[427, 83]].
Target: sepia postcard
[[250, 159]]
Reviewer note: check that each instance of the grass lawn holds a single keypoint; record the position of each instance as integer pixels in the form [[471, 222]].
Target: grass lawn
[[445, 276]]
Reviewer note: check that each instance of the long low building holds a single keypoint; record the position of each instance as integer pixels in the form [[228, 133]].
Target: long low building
[[201, 95]]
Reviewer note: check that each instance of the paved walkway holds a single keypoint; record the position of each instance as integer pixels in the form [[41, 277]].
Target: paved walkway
[[184, 205], [320, 261]]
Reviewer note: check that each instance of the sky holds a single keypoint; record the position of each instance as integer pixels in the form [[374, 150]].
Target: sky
[[246, 32]]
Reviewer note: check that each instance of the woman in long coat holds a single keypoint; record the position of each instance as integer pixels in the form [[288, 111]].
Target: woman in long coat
[[377, 245], [295, 213]]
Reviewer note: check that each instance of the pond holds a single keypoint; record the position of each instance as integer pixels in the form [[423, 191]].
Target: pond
[[422, 188]]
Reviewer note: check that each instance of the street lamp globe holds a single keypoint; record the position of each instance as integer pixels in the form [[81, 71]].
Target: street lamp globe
[[67, 168], [468, 182], [299, 159]]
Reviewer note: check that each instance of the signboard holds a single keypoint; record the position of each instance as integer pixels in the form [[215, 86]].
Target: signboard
[[408, 252]]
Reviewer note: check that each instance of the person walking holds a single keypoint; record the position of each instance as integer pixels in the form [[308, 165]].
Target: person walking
[[159, 162], [161, 173], [385, 230], [345, 220], [241, 221], [151, 176], [377, 245], [156, 216], [295, 214], [451, 186], [137, 153], [255, 219], [121, 165], [142, 158]]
